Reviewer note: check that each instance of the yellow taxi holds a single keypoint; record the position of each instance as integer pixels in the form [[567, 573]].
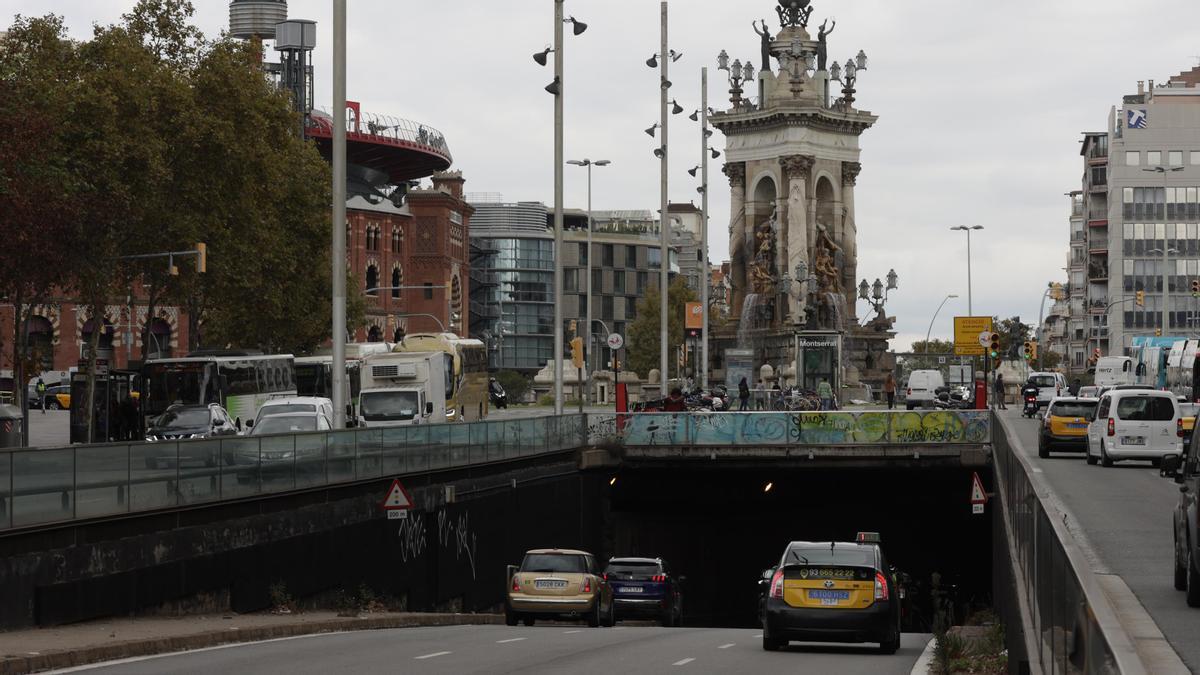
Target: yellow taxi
[[832, 591], [553, 583], [1187, 415], [1065, 425]]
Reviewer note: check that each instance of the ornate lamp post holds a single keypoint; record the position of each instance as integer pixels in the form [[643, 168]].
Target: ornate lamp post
[[877, 294], [738, 74], [848, 75]]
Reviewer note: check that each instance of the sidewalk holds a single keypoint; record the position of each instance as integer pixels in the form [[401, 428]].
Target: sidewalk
[[38, 649]]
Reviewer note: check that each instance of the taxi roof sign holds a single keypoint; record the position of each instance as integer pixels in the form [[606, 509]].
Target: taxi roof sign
[[868, 538], [397, 497]]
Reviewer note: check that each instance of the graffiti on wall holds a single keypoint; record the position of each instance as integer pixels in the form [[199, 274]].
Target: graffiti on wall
[[454, 536]]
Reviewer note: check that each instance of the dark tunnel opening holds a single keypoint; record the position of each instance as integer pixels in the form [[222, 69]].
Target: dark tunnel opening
[[721, 528]]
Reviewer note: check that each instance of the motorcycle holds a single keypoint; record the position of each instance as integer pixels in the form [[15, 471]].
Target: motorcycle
[[1029, 395], [497, 395]]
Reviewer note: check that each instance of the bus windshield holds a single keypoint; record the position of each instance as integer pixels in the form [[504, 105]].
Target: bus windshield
[[312, 379], [188, 383]]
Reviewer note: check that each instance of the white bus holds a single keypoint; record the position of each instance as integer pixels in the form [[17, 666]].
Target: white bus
[[239, 382]]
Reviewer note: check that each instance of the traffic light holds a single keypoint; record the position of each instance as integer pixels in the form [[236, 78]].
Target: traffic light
[[995, 345], [1033, 347], [1157, 332], [201, 257], [1096, 355], [1196, 288], [577, 352], [1139, 298], [1028, 351]]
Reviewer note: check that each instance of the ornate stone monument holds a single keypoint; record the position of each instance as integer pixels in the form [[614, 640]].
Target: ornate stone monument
[[792, 163]]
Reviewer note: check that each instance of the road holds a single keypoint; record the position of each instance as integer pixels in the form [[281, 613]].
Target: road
[[1124, 513], [555, 648]]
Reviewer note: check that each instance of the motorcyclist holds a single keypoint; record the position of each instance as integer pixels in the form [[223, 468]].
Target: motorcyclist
[[674, 402]]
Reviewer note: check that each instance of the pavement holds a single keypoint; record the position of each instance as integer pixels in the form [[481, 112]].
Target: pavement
[[77, 645], [544, 648], [51, 430], [1121, 518]]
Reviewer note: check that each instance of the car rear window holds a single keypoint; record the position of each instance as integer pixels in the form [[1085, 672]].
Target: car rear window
[[633, 568], [847, 555], [1073, 409], [1043, 381], [1146, 409], [554, 562]]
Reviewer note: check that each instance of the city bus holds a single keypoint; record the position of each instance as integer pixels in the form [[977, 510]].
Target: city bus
[[314, 374], [466, 372], [239, 382]]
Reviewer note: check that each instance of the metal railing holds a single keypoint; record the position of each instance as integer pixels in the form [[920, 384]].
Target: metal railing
[[792, 429], [1071, 627], [55, 485], [386, 126]]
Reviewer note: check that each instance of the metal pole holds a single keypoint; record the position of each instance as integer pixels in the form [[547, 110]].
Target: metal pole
[[587, 332], [970, 300], [1166, 324], [935, 315], [704, 227], [665, 225], [558, 208], [1041, 318], [339, 212]]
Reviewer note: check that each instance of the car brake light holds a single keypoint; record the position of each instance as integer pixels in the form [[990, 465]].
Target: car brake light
[[1112, 427], [909, 393], [658, 577], [881, 588], [1179, 428], [777, 584], [587, 585], [604, 576], [516, 584]]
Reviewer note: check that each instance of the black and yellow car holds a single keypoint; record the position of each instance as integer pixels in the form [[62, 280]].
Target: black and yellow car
[[1065, 425], [832, 592]]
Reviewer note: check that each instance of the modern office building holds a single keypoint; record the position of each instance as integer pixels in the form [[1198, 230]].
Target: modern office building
[[1135, 221], [515, 242]]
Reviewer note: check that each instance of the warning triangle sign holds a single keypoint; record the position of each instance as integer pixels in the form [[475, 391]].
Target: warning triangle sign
[[397, 497], [978, 496]]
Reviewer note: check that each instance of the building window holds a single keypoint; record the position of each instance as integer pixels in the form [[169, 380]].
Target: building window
[[1195, 157], [1133, 158], [619, 283], [428, 290], [397, 280], [608, 255], [372, 280], [1175, 158], [1099, 175], [1153, 157], [631, 257], [597, 281], [571, 281], [583, 254], [607, 307], [397, 239]]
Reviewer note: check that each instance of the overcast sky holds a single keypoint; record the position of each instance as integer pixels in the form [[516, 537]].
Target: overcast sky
[[981, 106]]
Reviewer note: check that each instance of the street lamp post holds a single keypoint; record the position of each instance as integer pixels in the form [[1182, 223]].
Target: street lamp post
[[1163, 171], [935, 315], [968, 230], [338, 248], [704, 227], [588, 271]]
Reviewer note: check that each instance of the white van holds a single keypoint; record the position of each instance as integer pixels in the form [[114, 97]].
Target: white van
[[1049, 386], [1135, 424], [922, 387], [1114, 370]]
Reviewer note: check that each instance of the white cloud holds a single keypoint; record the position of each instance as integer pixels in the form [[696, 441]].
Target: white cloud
[[980, 106]]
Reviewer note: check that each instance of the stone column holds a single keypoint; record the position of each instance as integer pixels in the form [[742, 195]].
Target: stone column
[[736, 172], [849, 242], [797, 171]]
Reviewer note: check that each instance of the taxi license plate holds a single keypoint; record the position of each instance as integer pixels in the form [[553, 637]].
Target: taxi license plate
[[1133, 440], [550, 583], [828, 597], [631, 589], [1076, 425]]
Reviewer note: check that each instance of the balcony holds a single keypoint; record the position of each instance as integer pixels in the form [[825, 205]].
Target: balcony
[[1098, 305], [1097, 272], [1100, 332]]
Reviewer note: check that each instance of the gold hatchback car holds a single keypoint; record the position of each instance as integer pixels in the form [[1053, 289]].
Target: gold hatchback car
[[553, 583]]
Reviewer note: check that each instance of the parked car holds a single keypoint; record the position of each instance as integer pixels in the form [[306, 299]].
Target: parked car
[[645, 588], [1135, 424], [558, 584], [921, 389]]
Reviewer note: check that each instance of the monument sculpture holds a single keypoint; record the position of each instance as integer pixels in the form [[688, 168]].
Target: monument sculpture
[[793, 161]]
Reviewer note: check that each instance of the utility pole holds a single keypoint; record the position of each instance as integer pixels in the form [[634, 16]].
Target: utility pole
[[339, 214], [704, 227], [558, 208], [664, 219]]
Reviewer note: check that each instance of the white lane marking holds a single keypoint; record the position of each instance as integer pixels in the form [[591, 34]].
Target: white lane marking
[[725, 646], [156, 657], [1037, 470], [569, 632], [758, 636], [430, 656], [683, 662], [500, 642]]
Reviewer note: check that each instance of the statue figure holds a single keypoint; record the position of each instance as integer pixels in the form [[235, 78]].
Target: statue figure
[[822, 47], [825, 262], [765, 34]]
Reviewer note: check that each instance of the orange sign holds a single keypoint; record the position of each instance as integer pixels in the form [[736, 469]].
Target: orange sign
[[695, 316]]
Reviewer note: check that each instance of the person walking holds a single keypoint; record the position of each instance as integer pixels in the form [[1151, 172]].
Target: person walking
[[1074, 388], [998, 388], [743, 395], [825, 393], [889, 390], [40, 388]]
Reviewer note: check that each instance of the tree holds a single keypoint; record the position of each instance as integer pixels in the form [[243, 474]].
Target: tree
[[1013, 335], [642, 354], [933, 347], [515, 385]]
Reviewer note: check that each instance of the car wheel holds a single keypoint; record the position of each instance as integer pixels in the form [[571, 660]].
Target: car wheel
[[611, 619], [1193, 580], [54, 405], [771, 644], [527, 621], [909, 406], [593, 619], [1105, 460], [1156, 462], [1181, 574], [890, 646], [1043, 450], [510, 617], [1091, 459], [679, 612]]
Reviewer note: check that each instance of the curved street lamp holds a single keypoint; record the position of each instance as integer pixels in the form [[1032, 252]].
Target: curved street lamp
[[935, 316]]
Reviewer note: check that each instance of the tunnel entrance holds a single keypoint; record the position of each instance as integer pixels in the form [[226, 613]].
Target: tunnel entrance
[[721, 528]]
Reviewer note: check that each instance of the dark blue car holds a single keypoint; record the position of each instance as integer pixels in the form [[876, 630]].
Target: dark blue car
[[645, 588]]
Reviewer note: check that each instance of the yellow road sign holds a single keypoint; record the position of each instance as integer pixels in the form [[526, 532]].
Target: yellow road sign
[[966, 334]]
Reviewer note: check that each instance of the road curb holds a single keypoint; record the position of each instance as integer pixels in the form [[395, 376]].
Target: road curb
[[21, 665], [924, 664]]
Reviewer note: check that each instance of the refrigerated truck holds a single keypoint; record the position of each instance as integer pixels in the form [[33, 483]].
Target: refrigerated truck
[[402, 389]]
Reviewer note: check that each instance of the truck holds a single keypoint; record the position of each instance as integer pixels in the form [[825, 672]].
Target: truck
[[1114, 370], [402, 389]]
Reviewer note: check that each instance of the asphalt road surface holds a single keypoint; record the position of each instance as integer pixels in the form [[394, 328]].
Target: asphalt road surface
[[550, 648], [1124, 513]]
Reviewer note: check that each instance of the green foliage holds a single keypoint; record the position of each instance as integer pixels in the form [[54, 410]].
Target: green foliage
[[515, 385], [642, 352], [1013, 335], [281, 601], [933, 347]]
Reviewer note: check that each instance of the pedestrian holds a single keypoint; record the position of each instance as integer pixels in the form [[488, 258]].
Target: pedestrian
[[825, 393], [1074, 388], [889, 389], [674, 402], [40, 388], [743, 395], [998, 388]]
